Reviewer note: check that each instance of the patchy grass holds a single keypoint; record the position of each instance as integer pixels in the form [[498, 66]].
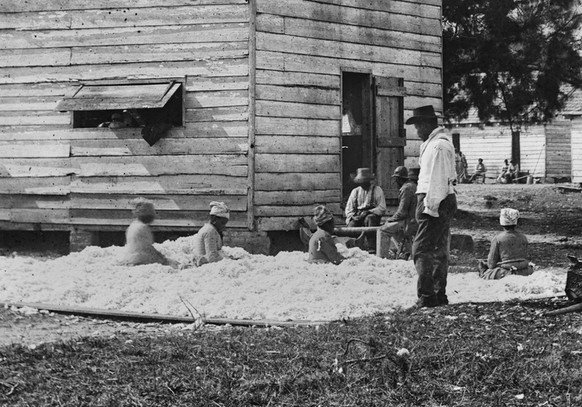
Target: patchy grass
[[497, 354]]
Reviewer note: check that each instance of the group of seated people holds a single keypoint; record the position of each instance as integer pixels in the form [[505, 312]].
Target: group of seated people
[[366, 206], [508, 253], [509, 172], [139, 237]]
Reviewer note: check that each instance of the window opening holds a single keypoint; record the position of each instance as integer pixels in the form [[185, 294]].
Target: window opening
[[153, 107]]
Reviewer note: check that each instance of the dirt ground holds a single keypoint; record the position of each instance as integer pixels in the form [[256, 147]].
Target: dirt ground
[[550, 217]]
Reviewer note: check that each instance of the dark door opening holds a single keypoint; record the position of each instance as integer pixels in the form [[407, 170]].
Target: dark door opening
[[356, 129]]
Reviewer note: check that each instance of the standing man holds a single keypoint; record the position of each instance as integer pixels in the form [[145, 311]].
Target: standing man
[[436, 206], [402, 224], [366, 204]]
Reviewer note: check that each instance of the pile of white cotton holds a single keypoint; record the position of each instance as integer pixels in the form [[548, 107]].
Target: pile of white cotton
[[245, 286]]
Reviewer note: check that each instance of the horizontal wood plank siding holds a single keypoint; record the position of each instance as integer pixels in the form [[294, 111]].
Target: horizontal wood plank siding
[[558, 149], [18, 6], [577, 149], [493, 145], [57, 177], [302, 48]]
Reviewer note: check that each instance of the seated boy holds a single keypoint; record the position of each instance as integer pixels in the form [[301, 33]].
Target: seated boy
[[207, 244], [508, 253], [322, 247], [139, 238]]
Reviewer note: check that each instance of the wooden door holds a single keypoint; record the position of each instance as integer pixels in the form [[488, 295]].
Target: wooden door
[[390, 134]]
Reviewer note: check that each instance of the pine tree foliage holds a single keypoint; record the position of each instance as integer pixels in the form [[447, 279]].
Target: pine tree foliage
[[513, 61]]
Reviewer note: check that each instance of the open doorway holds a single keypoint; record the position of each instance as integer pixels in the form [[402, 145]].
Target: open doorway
[[356, 129]]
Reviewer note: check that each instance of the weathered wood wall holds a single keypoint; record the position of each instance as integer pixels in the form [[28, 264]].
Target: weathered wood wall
[[577, 149], [558, 149], [54, 176], [301, 49]]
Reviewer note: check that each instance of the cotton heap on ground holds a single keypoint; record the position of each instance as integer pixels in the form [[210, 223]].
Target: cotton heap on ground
[[245, 286]]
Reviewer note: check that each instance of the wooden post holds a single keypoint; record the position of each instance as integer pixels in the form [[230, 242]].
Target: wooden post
[[252, 98], [515, 147]]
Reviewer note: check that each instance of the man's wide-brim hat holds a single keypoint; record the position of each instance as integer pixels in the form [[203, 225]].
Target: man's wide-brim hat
[[363, 175], [401, 172], [422, 113]]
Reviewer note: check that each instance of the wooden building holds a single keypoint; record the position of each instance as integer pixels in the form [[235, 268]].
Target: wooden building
[[573, 112], [246, 95], [544, 150]]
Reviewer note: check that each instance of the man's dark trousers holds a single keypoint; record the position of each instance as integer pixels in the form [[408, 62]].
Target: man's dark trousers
[[431, 251]]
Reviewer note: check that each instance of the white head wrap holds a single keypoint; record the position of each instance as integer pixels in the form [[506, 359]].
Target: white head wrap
[[508, 217], [219, 209]]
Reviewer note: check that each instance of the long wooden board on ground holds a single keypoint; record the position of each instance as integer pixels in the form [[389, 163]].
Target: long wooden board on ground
[[146, 317]]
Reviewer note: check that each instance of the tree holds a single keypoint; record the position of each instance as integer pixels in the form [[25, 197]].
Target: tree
[[513, 61]]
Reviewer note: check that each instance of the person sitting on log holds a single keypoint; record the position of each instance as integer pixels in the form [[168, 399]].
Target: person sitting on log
[[480, 171], [508, 253], [366, 204], [322, 247], [513, 173], [208, 241], [402, 224], [139, 238]]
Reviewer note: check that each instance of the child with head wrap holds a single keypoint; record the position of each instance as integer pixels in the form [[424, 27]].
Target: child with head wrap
[[208, 240], [139, 238], [322, 247], [508, 253]]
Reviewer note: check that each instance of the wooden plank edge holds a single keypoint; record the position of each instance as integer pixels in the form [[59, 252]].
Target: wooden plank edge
[[148, 317]]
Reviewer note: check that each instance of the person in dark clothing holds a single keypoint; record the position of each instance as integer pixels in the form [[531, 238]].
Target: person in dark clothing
[[401, 227], [508, 252], [322, 248]]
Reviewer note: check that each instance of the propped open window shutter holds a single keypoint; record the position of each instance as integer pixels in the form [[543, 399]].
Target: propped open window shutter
[[119, 96]]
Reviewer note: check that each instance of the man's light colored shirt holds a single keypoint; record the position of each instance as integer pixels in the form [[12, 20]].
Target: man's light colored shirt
[[437, 170], [360, 199]]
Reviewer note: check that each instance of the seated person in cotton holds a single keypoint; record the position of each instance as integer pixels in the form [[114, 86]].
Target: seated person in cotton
[[208, 240], [139, 238], [322, 247], [508, 253]]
